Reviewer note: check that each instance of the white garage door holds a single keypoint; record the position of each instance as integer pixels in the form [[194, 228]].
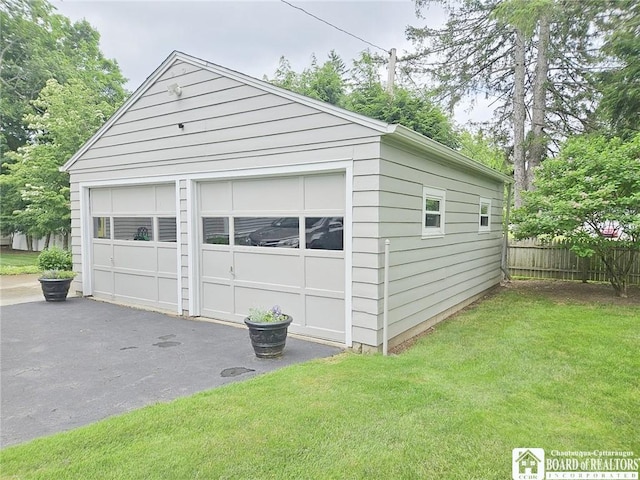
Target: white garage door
[[276, 241], [134, 257]]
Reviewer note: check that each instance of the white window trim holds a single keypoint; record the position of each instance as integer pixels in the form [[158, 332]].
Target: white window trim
[[482, 228], [436, 194]]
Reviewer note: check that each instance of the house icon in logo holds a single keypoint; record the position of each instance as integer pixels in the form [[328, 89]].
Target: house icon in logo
[[528, 463]]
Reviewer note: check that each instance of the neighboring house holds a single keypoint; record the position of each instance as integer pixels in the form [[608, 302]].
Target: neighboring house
[[210, 192]]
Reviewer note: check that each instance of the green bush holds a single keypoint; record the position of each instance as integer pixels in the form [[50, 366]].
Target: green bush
[[55, 258]]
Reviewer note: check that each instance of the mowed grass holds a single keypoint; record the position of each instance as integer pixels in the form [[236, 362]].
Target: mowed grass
[[15, 262], [517, 370]]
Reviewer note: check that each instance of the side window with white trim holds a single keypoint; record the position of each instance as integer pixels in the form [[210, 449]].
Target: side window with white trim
[[433, 208], [484, 221]]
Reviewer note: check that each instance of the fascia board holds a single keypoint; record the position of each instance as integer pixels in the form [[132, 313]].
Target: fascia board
[[408, 136]]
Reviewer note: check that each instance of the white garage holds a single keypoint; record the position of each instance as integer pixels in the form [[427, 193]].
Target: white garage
[[209, 193], [133, 252]]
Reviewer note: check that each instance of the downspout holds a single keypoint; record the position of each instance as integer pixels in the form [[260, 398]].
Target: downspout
[[506, 277], [385, 301]]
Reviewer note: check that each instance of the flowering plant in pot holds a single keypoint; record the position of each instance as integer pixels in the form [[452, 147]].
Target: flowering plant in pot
[[268, 331], [56, 275]]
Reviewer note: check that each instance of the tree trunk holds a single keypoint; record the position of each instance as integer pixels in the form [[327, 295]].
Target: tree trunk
[[538, 146], [519, 117], [65, 240], [47, 241], [29, 239]]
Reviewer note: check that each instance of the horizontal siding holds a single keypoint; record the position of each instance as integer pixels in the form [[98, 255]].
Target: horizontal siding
[[76, 240], [222, 118], [288, 156], [428, 276]]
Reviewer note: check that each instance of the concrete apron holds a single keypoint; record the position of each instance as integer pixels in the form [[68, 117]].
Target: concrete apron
[[15, 289], [72, 363]]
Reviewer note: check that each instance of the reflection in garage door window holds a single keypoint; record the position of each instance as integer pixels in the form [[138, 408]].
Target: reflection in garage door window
[[215, 230], [133, 228], [324, 233], [167, 231], [101, 227], [281, 232]]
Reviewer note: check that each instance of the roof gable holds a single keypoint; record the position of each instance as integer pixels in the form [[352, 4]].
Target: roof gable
[[397, 132]]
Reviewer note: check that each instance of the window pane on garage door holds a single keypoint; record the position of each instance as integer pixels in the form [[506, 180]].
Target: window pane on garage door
[[167, 229], [281, 232], [215, 230], [101, 227], [133, 228], [324, 233]]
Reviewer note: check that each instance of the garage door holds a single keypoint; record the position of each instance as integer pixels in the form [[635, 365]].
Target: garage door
[[276, 241], [134, 257]]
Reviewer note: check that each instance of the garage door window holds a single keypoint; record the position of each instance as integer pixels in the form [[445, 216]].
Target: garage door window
[[167, 230], [324, 233], [215, 230], [101, 227], [283, 232], [133, 228]]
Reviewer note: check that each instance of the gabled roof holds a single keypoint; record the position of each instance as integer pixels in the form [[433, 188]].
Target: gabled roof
[[398, 132]]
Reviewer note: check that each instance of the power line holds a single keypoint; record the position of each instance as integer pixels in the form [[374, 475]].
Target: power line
[[337, 28]]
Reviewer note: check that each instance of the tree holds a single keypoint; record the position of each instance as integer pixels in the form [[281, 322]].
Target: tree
[[484, 150], [589, 195], [38, 45], [620, 84], [38, 203], [533, 56], [324, 82], [364, 94]]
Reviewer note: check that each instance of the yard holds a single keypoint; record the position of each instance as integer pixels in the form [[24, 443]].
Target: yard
[[533, 366], [14, 262]]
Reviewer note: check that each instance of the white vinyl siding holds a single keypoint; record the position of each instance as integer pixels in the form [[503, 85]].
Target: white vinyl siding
[[227, 125], [427, 279]]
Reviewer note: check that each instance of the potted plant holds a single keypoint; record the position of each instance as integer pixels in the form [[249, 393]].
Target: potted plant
[[268, 331], [56, 276]]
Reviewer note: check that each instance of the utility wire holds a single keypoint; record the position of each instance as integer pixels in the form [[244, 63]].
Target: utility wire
[[337, 28]]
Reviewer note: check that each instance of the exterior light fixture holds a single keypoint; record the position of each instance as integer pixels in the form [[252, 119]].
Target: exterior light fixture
[[174, 89]]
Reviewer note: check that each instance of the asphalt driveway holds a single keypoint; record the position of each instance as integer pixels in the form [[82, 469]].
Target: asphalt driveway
[[72, 363]]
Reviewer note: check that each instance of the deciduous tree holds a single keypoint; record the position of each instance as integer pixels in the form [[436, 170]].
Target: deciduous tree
[[38, 203], [590, 196]]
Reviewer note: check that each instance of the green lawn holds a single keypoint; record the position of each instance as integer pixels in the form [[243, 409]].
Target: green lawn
[[14, 262], [518, 370]]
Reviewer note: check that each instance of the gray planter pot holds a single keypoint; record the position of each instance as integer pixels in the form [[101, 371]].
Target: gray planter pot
[[268, 339], [55, 289]]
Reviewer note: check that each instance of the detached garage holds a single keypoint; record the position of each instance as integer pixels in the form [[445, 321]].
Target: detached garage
[[210, 192]]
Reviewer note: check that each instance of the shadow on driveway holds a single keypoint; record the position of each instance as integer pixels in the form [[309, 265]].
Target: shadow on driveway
[[72, 363]]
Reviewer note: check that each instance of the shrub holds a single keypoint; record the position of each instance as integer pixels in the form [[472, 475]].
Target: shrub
[[55, 258], [57, 274]]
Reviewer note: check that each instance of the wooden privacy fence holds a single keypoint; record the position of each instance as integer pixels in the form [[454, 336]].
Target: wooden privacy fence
[[532, 258]]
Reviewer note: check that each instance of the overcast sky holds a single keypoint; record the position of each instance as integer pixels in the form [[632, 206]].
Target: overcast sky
[[247, 36]]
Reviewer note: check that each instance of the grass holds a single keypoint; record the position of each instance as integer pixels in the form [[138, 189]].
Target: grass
[[517, 370], [15, 262]]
